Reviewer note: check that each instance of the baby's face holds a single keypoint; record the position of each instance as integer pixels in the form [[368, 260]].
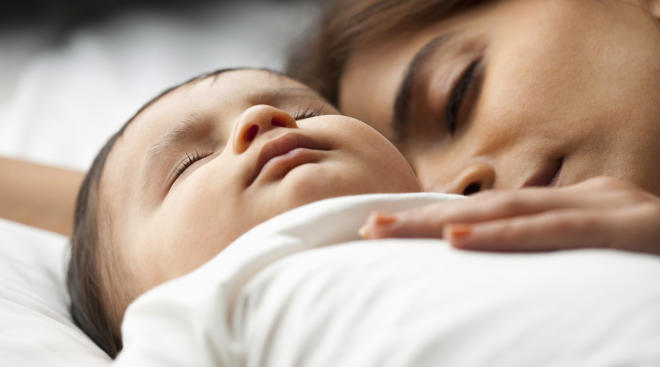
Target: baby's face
[[214, 158]]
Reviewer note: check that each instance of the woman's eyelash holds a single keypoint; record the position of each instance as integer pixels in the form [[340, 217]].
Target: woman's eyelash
[[187, 162], [457, 95], [308, 112]]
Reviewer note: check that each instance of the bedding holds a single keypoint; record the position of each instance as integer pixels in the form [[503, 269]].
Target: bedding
[[35, 326], [303, 290]]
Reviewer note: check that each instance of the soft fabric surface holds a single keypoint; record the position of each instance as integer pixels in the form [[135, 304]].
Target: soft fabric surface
[[36, 327], [303, 290]]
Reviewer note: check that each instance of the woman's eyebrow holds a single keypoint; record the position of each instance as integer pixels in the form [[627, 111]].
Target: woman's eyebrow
[[402, 100]]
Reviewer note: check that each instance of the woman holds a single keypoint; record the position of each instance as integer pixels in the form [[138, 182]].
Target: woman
[[483, 95]]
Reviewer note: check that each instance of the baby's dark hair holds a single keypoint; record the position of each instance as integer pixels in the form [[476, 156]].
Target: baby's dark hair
[[92, 276], [347, 25]]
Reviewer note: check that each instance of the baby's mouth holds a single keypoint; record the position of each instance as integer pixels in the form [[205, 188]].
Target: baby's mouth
[[285, 145]]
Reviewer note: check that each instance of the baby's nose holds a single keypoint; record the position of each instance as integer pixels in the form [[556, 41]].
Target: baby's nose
[[257, 120]]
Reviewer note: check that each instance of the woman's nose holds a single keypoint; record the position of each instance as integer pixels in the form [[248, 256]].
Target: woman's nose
[[473, 178], [257, 120]]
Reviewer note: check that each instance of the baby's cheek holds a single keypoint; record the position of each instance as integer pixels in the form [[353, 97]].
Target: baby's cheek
[[212, 214], [176, 241]]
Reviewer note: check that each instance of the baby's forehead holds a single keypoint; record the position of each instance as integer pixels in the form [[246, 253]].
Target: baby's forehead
[[220, 90], [227, 87], [244, 80]]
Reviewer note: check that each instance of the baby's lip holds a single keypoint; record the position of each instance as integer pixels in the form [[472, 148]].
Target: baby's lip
[[281, 145]]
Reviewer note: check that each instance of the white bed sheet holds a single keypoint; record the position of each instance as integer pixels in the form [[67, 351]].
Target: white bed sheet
[[303, 290], [36, 328]]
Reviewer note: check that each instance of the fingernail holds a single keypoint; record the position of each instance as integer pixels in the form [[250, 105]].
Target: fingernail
[[382, 219], [375, 221], [458, 231], [364, 231]]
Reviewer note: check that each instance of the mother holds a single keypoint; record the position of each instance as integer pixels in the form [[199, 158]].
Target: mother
[[510, 94], [481, 95]]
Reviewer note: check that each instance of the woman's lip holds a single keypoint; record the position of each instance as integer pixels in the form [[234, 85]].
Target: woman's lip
[[282, 145], [548, 176]]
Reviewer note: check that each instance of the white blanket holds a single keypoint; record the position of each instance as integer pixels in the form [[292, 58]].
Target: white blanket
[[303, 290]]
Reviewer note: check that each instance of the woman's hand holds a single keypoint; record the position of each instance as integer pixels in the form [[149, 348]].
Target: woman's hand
[[601, 212]]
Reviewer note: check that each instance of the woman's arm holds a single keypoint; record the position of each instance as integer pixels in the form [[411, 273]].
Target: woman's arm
[[37, 195]]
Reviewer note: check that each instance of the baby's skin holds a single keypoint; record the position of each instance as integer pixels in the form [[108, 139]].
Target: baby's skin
[[215, 157]]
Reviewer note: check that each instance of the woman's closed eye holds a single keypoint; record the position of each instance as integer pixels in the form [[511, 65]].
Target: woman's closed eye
[[458, 94]]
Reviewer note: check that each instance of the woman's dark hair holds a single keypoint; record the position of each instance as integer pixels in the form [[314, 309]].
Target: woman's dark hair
[[347, 25], [92, 273]]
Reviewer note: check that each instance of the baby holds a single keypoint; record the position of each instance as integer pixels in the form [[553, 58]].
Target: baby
[[198, 166]]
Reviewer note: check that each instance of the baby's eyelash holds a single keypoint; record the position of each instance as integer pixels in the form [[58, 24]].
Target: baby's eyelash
[[187, 162], [308, 112]]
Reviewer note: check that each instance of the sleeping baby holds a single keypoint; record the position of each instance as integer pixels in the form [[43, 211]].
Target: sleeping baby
[[198, 166]]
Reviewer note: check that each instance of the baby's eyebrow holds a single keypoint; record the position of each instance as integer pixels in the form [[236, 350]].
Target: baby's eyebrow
[[189, 127], [280, 94]]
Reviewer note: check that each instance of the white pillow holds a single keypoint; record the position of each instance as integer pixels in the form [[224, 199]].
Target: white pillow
[[36, 326]]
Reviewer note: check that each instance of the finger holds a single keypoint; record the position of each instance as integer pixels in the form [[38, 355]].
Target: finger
[[557, 230], [428, 221], [383, 225], [505, 204]]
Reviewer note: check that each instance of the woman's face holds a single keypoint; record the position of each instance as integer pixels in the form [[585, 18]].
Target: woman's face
[[519, 93], [214, 158]]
